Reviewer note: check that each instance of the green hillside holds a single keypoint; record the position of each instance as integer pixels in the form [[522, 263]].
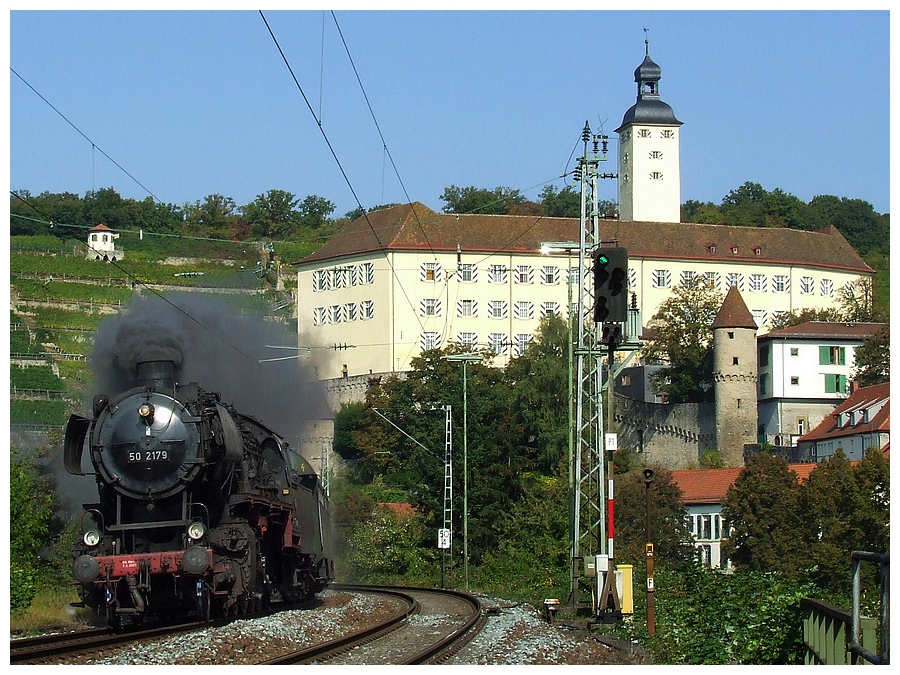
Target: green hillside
[[58, 299]]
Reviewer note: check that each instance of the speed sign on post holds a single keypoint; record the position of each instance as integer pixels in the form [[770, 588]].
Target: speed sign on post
[[443, 537]]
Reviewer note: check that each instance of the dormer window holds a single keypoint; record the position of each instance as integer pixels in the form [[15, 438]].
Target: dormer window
[[734, 250], [711, 248], [757, 250]]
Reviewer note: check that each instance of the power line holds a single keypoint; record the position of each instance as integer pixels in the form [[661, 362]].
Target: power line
[[337, 160], [83, 135]]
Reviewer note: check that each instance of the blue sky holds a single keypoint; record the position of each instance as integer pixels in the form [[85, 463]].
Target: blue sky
[[192, 103]]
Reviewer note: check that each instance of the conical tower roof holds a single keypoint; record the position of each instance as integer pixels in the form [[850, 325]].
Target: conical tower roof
[[733, 313]]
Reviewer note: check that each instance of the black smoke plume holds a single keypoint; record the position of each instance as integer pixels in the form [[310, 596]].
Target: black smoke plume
[[216, 346]]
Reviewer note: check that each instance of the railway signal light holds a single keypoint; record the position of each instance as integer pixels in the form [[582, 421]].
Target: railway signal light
[[611, 285]]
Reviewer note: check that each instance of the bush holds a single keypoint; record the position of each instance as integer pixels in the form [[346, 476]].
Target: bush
[[386, 550], [705, 616]]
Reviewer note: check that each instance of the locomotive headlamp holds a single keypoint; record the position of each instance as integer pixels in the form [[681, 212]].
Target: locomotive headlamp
[[91, 538], [196, 530], [146, 412]]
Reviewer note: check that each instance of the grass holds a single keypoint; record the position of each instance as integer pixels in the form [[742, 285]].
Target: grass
[[51, 607]]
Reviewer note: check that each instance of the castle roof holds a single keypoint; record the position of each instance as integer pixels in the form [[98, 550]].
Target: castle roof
[[415, 227], [733, 313], [649, 108]]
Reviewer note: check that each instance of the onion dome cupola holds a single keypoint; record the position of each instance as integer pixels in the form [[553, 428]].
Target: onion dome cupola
[[649, 109]]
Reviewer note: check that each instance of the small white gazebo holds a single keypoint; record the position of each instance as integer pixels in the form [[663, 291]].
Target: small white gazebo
[[102, 244]]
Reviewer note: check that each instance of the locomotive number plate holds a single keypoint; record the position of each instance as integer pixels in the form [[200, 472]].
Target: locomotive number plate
[[149, 456]]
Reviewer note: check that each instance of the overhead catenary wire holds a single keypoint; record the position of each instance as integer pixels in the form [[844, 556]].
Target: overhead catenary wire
[[83, 135], [337, 160]]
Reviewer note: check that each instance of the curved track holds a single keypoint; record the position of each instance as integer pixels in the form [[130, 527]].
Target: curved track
[[429, 626], [426, 626]]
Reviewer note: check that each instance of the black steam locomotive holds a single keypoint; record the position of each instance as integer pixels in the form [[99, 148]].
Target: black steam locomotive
[[202, 510]]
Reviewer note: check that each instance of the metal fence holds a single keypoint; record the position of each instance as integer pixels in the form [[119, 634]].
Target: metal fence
[[834, 636]]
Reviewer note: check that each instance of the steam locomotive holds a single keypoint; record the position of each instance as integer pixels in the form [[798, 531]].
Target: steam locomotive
[[202, 511]]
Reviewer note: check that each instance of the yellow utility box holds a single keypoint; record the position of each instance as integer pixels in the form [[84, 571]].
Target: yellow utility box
[[625, 587]]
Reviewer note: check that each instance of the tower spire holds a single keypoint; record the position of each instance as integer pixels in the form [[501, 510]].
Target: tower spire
[[646, 41]]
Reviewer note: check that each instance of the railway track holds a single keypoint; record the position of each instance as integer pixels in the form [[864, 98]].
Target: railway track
[[429, 627], [424, 626], [35, 649]]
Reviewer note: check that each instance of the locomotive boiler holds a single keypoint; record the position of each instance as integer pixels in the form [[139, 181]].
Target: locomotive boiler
[[202, 510]]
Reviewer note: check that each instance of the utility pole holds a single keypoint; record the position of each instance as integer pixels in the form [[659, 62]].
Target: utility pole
[[465, 358], [448, 489]]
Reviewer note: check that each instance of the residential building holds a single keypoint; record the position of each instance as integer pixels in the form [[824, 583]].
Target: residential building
[[704, 493], [861, 422], [804, 372]]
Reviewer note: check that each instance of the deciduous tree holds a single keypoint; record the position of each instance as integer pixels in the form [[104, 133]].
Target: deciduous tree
[[681, 337], [763, 508]]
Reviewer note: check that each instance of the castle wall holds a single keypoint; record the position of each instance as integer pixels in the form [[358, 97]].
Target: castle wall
[[670, 436]]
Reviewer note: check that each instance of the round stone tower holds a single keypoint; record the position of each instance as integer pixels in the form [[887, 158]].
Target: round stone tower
[[734, 374]]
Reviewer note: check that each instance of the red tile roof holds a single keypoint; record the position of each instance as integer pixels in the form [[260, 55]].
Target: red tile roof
[[862, 398], [98, 226], [709, 486], [817, 330], [415, 227]]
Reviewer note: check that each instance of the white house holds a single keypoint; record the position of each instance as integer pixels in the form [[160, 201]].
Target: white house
[[704, 492], [101, 244], [804, 372]]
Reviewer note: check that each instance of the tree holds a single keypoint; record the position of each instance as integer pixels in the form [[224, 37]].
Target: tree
[[701, 212], [797, 316], [681, 335], [216, 216], [667, 519], [763, 509], [539, 397], [563, 204], [273, 214], [32, 503], [498, 201], [314, 211], [873, 359], [346, 419], [866, 230], [858, 302]]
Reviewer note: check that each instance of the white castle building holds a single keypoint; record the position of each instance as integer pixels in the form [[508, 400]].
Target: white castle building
[[405, 279]]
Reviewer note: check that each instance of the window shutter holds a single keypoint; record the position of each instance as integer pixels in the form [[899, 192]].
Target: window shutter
[[824, 355]]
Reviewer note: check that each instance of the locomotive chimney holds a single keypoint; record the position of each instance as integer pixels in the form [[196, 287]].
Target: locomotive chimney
[[158, 375]]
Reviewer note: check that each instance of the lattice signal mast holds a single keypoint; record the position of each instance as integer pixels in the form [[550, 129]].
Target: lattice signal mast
[[588, 505]]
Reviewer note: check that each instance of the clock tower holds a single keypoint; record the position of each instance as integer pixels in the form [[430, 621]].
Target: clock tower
[[649, 163]]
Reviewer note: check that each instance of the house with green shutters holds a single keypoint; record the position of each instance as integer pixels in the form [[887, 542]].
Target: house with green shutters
[[803, 373]]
